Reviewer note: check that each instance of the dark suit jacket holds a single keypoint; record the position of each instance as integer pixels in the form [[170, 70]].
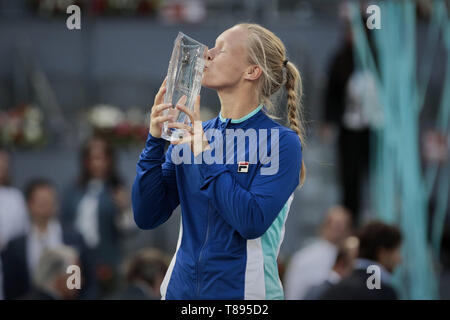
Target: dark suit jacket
[[107, 251], [132, 292], [317, 291], [341, 69], [16, 278], [36, 294], [354, 287]]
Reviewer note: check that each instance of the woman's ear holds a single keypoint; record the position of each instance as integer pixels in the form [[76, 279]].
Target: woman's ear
[[253, 73]]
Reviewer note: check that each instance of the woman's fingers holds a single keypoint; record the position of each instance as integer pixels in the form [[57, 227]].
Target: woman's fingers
[[187, 111], [162, 90], [182, 100], [161, 119], [197, 106], [182, 126], [159, 98], [185, 139], [194, 115], [156, 110]]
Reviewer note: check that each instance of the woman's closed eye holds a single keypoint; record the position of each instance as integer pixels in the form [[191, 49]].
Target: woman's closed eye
[[216, 51]]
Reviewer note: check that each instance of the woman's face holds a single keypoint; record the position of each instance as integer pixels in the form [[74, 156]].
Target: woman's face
[[98, 162], [227, 61]]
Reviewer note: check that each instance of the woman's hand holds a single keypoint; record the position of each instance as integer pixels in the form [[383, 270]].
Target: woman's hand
[[156, 117], [194, 135]]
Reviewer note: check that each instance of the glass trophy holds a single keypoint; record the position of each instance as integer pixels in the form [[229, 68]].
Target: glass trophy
[[184, 81]]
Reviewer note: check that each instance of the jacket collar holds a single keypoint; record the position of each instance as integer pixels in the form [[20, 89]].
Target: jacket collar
[[240, 120]]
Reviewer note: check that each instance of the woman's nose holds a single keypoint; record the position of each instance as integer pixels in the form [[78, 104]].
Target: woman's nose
[[209, 55]]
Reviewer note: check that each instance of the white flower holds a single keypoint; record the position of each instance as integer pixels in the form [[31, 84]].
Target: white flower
[[33, 114], [32, 124], [105, 116], [32, 133]]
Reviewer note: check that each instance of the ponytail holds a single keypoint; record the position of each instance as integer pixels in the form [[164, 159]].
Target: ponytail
[[266, 50], [294, 93]]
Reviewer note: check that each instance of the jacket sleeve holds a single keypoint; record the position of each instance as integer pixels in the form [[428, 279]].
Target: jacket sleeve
[[251, 212], [154, 194]]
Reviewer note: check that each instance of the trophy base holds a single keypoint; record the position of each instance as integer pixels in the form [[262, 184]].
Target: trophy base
[[173, 134]]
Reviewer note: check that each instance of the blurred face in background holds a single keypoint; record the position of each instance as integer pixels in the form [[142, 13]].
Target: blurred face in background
[[60, 285], [227, 61], [390, 258], [337, 225], [4, 168], [345, 266], [97, 161], [42, 204]]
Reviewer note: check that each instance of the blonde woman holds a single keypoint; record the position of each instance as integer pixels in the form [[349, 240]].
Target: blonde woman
[[233, 211]]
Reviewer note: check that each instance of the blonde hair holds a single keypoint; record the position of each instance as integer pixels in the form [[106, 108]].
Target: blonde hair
[[267, 51]]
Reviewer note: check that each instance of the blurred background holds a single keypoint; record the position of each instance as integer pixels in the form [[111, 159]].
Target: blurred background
[[74, 111]]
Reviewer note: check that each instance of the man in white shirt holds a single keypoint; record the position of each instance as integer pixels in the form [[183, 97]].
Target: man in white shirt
[[379, 248], [311, 265], [342, 267], [21, 257], [13, 213]]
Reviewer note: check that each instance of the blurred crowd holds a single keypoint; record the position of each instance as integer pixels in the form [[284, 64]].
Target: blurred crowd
[[43, 233], [340, 263], [44, 230]]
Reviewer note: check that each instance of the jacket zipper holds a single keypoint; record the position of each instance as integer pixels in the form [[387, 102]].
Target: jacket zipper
[[207, 232]]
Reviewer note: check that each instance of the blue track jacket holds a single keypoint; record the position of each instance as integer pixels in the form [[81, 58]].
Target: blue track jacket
[[232, 215]]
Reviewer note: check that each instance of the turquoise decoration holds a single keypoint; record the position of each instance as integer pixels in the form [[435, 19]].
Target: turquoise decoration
[[400, 183]]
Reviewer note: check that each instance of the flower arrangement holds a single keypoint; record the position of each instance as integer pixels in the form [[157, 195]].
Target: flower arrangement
[[97, 7], [122, 128], [22, 126]]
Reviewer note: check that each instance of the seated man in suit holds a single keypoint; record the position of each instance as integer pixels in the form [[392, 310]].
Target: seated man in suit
[[51, 277], [311, 265], [144, 272], [379, 250], [20, 258], [343, 266]]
